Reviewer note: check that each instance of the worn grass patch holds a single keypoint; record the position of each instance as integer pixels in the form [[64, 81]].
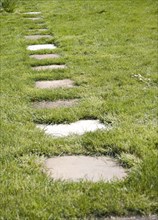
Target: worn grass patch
[[110, 49]]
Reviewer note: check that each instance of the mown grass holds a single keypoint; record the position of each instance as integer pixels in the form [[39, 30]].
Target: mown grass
[[110, 48]]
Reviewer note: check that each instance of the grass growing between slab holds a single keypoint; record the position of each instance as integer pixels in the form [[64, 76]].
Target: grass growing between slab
[[110, 48]]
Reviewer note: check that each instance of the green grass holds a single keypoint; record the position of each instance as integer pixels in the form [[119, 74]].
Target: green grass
[[110, 48], [8, 5]]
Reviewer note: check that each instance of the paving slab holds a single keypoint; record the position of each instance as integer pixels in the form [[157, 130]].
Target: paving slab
[[38, 30], [49, 84], [44, 56], [151, 217], [55, 104], [34, 19], [41, 47], [76, 168], [49, 67], [37, 37], [76, 128], [42, 29], [32, 13]]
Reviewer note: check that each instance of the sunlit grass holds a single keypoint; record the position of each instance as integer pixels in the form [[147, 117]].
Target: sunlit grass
[[110, 49]]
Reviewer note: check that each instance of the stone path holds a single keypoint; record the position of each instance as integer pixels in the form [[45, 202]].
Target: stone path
[[71, 168]]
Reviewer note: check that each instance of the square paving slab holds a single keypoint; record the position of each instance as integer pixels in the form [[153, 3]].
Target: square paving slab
[[44, 56], [65, 83], [37, 37], [41, 47], [76, 128], [55, 104], [76, 168], [49, 67]]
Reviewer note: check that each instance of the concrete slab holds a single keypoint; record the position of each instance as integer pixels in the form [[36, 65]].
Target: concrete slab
[[41, 47], [39, 30], [55, 104], [34, 19], [37, 37], [49, 67], [151, 217], [32, 13], [49, 84], [76, 128], [42, 29], [44, 56], [76, 168]]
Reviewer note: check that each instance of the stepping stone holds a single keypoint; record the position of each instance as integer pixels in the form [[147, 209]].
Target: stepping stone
[[56, 104], [151, 217], [32, 13], [76, 168], [36, 37], [76, 128], [41, 47], [38, 30], [42, 29], [65, 83], [49, 67], [44, 56], [34, 19]]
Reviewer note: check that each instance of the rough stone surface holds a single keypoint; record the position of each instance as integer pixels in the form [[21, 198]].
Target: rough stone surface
[[49, 67], [76, 128], [55, 104], [37, 37], [33, 13], [76, 168], [65, 83], [41, 47], [44, 56]]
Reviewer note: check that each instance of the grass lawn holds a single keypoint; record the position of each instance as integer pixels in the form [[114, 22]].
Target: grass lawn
[[110, 49]]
